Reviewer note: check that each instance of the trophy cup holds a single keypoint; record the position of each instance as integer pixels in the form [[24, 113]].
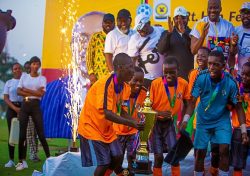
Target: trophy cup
[[142, 163]]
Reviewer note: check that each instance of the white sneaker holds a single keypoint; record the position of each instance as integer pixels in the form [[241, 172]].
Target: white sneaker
[[10, 164], [21, 166]]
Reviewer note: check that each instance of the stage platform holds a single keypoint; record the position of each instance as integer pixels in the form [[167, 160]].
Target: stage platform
[[69, 164]]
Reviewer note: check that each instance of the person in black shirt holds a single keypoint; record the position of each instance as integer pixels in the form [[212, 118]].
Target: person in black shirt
[[176, 41]]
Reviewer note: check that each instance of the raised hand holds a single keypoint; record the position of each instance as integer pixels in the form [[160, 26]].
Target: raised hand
[[170, 24], [234, 39], [205, 29]]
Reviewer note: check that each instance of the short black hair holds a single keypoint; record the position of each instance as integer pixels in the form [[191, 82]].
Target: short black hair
[[171, 60], [121, 59], [16, 63], [138, 69], [206, 49], [247, 64], [219, 54], [35, 59], [27, 62]]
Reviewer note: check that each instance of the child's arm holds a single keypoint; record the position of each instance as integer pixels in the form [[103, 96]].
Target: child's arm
[[189, 112], [109, 115], [242, 120]]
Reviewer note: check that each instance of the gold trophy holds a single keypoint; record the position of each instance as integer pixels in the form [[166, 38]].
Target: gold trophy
[[142, 163]]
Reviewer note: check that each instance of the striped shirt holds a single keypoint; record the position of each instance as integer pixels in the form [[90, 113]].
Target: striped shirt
[[95, 59]]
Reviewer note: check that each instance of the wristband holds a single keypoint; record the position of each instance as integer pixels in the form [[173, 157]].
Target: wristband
[[186, 118], [243, 128]]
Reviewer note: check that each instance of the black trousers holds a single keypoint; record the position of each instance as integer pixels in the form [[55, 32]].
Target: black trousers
[[31, 108], [10, 115]]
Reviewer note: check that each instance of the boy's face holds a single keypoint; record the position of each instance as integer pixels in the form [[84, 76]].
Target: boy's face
[[34, 66], [202, 57], [245, 75], [215, 67], [136, 82], [27, 68], [170, 71]]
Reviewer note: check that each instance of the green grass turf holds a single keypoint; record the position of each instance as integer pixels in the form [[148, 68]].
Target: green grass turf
[[54, 144]]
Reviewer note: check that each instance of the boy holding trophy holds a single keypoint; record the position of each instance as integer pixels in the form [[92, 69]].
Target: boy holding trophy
[[128, 136], [167, 94], [98, 140]]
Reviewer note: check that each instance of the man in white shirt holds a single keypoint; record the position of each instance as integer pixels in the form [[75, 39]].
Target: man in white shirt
[[214, 33], [142, 48], [117, 40], [243, 33]]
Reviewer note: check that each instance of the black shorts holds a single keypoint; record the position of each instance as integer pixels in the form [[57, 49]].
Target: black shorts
[[97, 153], [163, 137], [239, 152]]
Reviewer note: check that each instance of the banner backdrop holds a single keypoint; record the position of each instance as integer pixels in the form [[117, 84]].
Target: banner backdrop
[[60, 19]]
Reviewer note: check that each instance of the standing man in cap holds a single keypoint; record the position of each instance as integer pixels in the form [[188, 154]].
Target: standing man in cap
[[117, 40], [95, 59], [177, 42], [243, 33], [142, 48]]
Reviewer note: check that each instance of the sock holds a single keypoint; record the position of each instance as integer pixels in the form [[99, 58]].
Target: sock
[[198, 173], [237, 173], [213, 171], [108, 172], [223, 173], [176, 171], [157, 171]]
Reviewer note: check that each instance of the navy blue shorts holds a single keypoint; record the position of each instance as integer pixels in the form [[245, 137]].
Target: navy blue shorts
[[126, 142], [163, 137], [238, 151], [97, 153]]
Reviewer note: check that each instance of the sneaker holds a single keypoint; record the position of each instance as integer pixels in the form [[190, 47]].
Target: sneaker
[[21, 166], [35, 158], [10, 164]]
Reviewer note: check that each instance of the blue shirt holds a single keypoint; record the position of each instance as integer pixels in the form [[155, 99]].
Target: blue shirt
[[217, 114]]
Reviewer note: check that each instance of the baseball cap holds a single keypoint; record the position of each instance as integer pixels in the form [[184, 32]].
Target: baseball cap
[[123, 13], [180, 11], [108, 16], [140, 21], [245, 5]]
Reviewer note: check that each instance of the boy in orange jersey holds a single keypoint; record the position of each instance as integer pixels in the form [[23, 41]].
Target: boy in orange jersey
[[201, 59], [239, 151], [127, 135], [167, 94], [102, 107]]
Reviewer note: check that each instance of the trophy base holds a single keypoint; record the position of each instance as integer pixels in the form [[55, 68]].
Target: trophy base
[[74, 149], [143, 167]]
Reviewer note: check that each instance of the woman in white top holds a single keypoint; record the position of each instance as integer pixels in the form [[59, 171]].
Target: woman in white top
[[32, 87], [14, 102]]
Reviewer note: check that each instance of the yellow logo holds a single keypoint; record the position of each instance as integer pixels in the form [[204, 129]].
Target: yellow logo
[[161, 9]]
